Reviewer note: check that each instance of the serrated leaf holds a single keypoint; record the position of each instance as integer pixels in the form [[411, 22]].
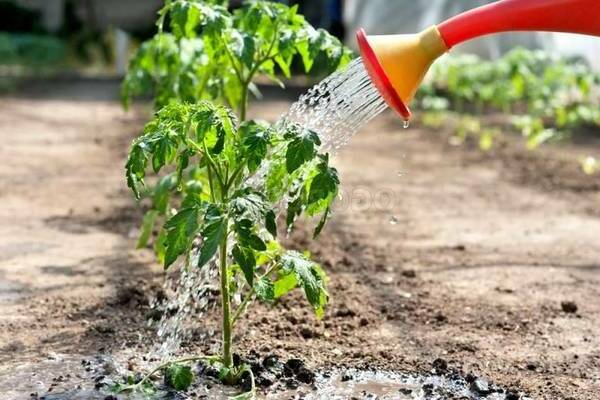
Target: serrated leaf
[[248, 204], [244, 229], [324, 184], [184, 19], [309, 275], [147, 227], [301, 149], [264, 290], [284, 64], [180, 377], [135, 169], [244, 257], [181, 230], [256, 138], [213, 231], [164, 150]]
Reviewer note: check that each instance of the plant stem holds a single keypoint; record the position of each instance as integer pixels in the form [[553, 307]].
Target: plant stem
[[242, 307], [226, 304], [244, 102]]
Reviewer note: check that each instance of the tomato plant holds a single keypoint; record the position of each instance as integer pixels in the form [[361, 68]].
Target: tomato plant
[[229, 178]]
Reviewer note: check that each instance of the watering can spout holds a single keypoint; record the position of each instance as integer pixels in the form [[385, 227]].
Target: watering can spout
[[397, 64]]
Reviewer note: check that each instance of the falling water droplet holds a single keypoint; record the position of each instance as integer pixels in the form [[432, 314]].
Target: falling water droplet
[[406, 124], [393, 220]]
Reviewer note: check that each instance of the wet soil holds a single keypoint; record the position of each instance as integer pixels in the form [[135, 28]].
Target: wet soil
[[486, 264]]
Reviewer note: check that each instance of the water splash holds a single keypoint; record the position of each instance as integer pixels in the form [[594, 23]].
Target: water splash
[[192, 296], [338, 106]]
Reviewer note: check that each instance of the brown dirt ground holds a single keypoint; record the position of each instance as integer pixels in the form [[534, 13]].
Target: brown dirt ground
[[484, 248]]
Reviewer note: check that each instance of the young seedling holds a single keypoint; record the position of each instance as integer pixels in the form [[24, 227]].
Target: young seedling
[[231, 177]]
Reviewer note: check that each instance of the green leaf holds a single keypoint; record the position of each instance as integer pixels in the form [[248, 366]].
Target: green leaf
[[212, 233], [324, 184], [276, 180], [285, 64], [244, 229], [243, 47], [181, 230], [322, 223], [163, 151], [294, 209], [310, 276], [180, 377], [147, 227], [135, 169], [264, 290], [285, 284], [301, 149], [184, 19], [256, 137], [249, 204], [244, 257]]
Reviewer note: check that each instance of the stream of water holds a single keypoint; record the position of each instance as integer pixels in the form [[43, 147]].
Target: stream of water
[[338, 107]]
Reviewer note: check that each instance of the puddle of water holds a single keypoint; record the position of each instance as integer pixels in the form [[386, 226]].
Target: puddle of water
[[385, 385], [62, 377]]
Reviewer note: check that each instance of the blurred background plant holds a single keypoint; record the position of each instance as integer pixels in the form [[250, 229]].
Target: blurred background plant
[[545, 98]]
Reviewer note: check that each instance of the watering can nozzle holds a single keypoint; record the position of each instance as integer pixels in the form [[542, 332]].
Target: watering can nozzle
[[398, 63]]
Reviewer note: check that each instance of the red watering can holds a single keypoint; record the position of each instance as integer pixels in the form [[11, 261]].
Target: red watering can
[[398, 63]]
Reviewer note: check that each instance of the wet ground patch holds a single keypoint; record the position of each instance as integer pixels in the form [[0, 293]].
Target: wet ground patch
[[91, 378]]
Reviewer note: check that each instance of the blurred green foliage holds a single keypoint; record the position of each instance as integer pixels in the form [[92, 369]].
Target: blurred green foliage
[[547, 97], [204, 51], [31, 50]]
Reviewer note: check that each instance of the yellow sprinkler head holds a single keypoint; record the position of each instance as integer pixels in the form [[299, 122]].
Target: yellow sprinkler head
[[397, 64]]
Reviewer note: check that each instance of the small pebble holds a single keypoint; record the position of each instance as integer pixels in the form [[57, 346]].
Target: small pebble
[[569, 307]]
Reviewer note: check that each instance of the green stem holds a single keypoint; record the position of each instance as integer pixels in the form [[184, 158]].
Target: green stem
[[226, 305], [242, 307], [244, 101], [210, 183], [234, 176]]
